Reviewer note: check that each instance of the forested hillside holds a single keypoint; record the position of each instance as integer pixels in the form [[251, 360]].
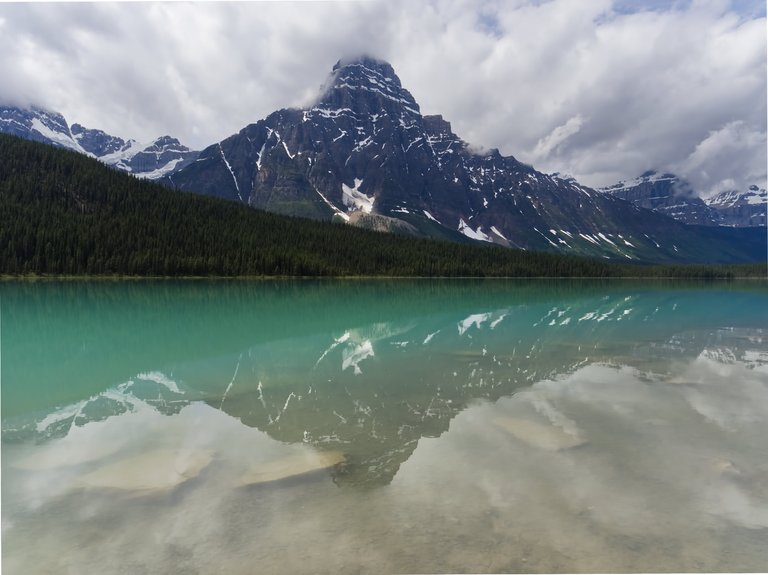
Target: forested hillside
[[63, 213]]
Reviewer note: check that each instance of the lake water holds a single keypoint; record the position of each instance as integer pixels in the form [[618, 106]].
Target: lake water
[[384, 426]]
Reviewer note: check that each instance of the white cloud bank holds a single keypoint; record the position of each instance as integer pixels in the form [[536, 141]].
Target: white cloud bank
[[599, 89]]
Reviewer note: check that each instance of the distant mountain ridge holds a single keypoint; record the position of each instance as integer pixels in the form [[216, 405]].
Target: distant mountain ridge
[[151, 160], [672, 196], [742, 208], [364, 153]]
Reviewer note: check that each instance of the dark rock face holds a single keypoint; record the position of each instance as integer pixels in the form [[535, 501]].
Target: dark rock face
[[365, 147], [97, 142], [161, 157]]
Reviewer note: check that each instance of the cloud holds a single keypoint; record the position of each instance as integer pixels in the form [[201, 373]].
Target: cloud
[[649, 86], [599, 89], [546, 146], [726, 159], [200, 71]]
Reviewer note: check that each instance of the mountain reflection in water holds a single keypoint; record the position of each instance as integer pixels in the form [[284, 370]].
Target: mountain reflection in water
[[588, 408]]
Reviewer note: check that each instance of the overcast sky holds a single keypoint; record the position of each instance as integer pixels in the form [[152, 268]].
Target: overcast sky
[[599, 89]]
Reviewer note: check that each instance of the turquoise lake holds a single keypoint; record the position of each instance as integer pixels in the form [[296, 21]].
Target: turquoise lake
[[420, 426]]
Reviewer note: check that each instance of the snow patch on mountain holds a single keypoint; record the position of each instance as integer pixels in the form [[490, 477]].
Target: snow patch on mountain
[[477, 234], [431, 217], [498, 233], [64, 140], [732, 198], [229, 167], [124, 155], [330, 204], [354, 199], [162, 171]]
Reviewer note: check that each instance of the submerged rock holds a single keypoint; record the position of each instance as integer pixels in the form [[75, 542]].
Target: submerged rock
[[151, 471], [541, 436], [292, 466], [725, 468], [65, 453]]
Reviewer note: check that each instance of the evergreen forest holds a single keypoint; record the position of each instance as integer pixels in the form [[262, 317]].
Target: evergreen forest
[[62, 213]]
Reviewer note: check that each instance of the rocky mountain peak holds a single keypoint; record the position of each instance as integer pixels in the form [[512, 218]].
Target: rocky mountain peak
[[97, 142], [366, 85], [370, 65], [167, 143]]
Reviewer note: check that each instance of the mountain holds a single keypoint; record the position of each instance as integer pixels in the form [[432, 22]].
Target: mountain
[[65, 213], [741, 208], [148, 160], [674, 197], [364, 153], [666, 194]]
